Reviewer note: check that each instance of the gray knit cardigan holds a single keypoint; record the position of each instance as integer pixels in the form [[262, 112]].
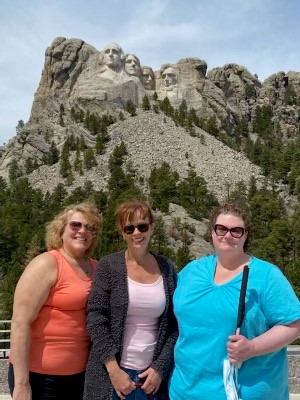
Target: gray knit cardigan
[[106, 314]]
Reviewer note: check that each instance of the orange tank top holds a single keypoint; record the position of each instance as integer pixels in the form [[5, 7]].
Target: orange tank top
[[59, 340]]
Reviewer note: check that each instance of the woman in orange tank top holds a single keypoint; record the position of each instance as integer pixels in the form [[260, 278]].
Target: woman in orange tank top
[[49, 341]]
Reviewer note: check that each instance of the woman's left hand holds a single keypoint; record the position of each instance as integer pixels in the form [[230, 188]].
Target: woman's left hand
[[153, 380], [239, 348]]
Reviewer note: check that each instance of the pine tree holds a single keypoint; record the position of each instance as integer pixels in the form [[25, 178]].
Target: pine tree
[[65, 166], [183, 256], [239, 195], [162, 183], [155, 108], [100, 146], [53, 155], [14, 170], [241, 130], [146, 103], [182, 113], [117, 156], [166, 107], [252, 188], [61, 115], [89, 159], [78, 165], [159, 241], [211, 126], [29, 166], [20, 126], [130, 108], [192, 194]]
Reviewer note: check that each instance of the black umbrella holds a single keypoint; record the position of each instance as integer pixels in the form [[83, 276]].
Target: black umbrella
[[230, 371], [242, 301]]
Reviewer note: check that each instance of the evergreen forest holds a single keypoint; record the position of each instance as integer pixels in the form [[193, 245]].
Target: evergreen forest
[[24, 210]]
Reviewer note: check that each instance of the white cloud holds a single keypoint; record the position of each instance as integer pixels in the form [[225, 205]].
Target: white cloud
[[260, 35]]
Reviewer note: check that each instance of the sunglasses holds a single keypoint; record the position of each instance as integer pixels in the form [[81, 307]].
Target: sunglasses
[[236, 232], [129, 229], [76, 226]]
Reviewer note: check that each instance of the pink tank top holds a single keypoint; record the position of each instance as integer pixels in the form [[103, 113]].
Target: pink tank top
[[146, 304], [59, 340]]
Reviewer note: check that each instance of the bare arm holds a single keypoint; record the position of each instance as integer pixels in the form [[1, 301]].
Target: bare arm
[[31, 293], [240, 348]]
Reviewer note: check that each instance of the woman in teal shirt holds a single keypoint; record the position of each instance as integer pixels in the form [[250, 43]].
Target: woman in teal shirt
[[206, 304]]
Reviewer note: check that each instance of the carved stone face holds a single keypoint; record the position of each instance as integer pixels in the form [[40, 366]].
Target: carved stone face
[[148, 78], [112, 56], [170, 78], [132, 65]]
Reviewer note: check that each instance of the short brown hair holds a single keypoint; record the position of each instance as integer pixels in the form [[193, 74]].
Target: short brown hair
[[234, 209], [126, 210], [55, 228]]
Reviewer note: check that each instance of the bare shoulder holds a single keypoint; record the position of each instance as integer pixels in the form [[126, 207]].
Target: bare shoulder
[[42, 265], [34, 286]]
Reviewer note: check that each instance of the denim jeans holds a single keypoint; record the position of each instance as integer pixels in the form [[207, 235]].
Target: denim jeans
[[52, 387], [138, 393]]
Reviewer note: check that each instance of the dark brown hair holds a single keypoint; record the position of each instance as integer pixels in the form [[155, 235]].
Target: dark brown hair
[[234, 209], [126, 210]]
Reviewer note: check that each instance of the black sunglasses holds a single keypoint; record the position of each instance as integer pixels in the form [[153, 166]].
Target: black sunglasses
[[129, 229], [236, 232], [76, 226]]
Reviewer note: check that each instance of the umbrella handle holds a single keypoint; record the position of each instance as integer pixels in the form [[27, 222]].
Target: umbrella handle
[[237, 332], [241, 309], [242, 299]]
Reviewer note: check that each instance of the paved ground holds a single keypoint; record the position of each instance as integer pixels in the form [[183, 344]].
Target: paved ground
[[7, 397]]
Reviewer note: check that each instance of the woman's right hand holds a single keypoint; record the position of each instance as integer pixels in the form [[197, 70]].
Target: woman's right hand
[[121, 382], [22, 392]]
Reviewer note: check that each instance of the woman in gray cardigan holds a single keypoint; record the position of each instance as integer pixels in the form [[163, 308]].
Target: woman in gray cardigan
[[130, 316]]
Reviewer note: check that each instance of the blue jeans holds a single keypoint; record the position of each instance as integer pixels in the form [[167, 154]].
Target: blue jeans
[[138, 393]]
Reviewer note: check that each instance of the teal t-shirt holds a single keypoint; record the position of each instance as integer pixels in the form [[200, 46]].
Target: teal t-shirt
[[207, 314]]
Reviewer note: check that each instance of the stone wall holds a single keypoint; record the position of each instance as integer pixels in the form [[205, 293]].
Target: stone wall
[[294, 362], [3, 376]]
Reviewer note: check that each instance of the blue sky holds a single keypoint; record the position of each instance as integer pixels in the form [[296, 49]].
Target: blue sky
[[261, 35]]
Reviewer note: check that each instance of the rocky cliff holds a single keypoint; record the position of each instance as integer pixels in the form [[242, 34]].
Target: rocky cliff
[[76, 76]]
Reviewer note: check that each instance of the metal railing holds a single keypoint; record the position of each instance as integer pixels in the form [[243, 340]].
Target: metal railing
[[5, 327]]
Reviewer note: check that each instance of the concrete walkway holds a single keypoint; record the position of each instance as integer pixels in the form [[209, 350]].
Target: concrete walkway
[[7, 397]]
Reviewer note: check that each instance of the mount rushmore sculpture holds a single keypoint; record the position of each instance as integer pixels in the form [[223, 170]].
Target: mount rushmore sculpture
[[78, 77]]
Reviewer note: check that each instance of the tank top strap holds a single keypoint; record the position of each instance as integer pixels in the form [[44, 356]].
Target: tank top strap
[[59, 262], [93, 263], [64, 267]]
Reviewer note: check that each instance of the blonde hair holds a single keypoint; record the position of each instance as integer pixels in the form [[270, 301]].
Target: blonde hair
[[55, 228]]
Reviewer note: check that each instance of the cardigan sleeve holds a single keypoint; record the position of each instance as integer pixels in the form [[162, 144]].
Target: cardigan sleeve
[[98, 313], [165, 359]]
